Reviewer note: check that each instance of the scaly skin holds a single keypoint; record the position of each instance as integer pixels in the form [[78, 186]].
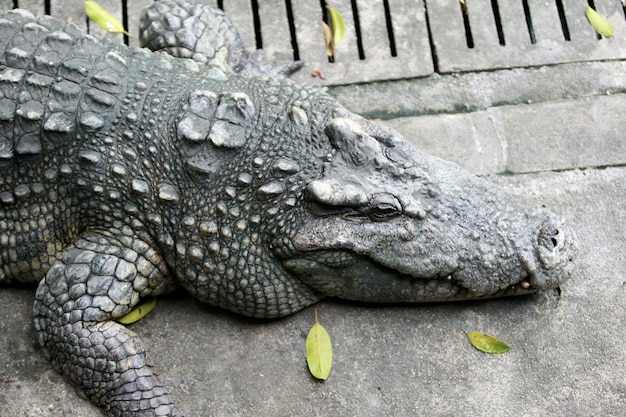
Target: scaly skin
[[125, 173], [191, 29]]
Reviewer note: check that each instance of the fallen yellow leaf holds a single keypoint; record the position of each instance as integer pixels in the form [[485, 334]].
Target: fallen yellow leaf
[[599, 23], [138, 312], [487, 343], [337, 25], [319, 351], [103, 18], [328, 38]]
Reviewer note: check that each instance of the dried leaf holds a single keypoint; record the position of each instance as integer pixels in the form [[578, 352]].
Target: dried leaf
[[486, 343], [599, 23], [463, 6], [337, 25], [319, 351], [138, 312], [328, 38], [103, 19]]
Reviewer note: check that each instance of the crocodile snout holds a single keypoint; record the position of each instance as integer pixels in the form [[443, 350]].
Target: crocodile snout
[[555, 249], [556, 244], [550, 237]]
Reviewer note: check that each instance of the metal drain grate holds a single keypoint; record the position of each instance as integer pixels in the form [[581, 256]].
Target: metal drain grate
[[391, 39], [493, 34], [383, 40]]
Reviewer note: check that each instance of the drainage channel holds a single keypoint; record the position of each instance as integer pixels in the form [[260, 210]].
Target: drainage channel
[[393, 39], [470, 35], [384, 39]]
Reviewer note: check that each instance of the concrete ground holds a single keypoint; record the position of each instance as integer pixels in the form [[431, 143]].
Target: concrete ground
[[553, 136]]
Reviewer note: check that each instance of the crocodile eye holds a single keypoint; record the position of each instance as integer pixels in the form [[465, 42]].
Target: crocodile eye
[[383, 206]]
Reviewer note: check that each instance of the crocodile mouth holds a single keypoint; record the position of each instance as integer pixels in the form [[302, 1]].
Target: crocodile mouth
[[351, 276]]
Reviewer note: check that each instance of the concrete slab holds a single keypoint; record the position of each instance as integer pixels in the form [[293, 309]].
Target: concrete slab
[[463, 93], [567, 355], [468, 139], [552, 135], [563, 134], [503, 39]]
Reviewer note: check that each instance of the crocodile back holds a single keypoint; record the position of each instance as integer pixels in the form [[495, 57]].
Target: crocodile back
[[69, 106]]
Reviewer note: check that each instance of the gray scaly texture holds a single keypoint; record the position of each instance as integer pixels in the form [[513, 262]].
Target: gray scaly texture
[[191, 29], [125, 173]]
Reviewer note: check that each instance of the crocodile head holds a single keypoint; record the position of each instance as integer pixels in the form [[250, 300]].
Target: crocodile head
[[388, 223], [316, 201]]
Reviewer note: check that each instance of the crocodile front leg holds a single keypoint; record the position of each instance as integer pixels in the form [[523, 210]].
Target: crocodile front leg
[[98, 279]]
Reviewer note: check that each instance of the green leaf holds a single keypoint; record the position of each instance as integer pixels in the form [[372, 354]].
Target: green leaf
[[319, 351], [138, 312], [103, 19], [486, 343], [599, 23], [337, 24]]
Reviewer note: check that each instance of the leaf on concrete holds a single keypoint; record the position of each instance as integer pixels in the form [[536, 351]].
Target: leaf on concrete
[[138, 312], [486, 343], [599, 23], [319, 351], [328, 38], [463, 4], [337, 25], [103, 19], [333, 32]]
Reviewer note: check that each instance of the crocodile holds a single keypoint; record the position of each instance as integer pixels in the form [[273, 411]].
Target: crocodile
[[195, 30], [126, 173]]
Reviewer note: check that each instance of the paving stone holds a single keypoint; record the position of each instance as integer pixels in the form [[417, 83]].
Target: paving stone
[[469, 92], [563, 134], [554, 135], [470, 140]]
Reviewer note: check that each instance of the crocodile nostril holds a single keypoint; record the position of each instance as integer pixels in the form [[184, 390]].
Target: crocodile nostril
[[549, 237]]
